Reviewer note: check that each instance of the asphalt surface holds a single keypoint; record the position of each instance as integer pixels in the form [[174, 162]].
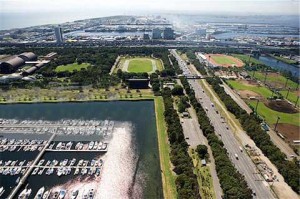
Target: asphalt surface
[[243, 163]]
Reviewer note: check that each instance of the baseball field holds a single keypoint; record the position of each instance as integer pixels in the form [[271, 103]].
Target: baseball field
[[224, 60]]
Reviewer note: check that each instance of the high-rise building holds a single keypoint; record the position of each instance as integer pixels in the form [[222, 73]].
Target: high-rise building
[[156, 33], [168, 34], [59, 35]]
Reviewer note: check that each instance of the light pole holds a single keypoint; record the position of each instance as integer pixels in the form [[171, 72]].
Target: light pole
[[286, 82], [278, 118], [265, 77], [297, 101], [256, 106], [288, 93]]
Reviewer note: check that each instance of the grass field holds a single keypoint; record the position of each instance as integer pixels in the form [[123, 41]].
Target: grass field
[[268, 114], [140, 65], [204, 177], [71, 67], [168, 178], [245, 59], [222, 60], [274, 79], [263, 91], [271, 116]]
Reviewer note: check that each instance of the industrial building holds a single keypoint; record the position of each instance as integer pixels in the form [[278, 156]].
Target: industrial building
[[59, 35], [11, 65], [16, 62], [28, 56]]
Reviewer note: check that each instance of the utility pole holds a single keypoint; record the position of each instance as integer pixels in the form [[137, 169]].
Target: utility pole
[[256, 106], [286, 82], [265, 77], [288, 93], [297, 101], [278, 118]]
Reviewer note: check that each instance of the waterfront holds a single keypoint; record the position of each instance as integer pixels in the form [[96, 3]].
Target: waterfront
[[279, 65], [132, 151]]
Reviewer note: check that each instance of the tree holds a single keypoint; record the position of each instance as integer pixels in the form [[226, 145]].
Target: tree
[[177, 90], [201, 150]]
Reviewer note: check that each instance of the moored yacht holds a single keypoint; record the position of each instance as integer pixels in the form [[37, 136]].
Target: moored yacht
[[40, 193]]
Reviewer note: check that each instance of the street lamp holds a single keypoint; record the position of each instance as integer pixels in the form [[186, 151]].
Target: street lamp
[[288, 93], [278, 118], [256, 106]]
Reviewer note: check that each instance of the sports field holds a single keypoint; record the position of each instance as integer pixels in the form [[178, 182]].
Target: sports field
[[224, 60], [71, 67], [139, 65]]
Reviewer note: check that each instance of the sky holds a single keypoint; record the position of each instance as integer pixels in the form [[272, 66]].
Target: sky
[[113, 7]]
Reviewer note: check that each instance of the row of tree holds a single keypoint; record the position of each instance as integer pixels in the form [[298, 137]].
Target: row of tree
[[232, 182], [186, 181], [251, 124]]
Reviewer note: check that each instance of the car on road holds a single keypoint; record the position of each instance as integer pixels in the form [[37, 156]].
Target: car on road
[[236, 156]]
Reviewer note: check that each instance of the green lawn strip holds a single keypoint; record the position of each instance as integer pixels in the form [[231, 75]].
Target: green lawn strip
[[204, 177], [271, 116], [292, 97], [140, 65], [222, 60], [71, 67], [168, 178], [285, 60], [159, 64], [245, 59], [263, 91]]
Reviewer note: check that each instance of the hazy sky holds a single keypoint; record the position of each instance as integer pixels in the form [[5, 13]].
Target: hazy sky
[[264, 7]]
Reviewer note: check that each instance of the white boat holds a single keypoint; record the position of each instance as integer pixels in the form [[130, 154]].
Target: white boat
[[18, 180], [40, 193], [62, 194], [74, 194], [25, 194], [1, 191], [59, 145], [35, 171], [46, 194], [91, 145]]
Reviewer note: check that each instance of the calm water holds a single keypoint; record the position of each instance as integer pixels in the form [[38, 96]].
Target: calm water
[[279, 65], [141, 115]]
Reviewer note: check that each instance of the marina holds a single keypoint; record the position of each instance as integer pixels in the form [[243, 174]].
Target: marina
[[91, 153]]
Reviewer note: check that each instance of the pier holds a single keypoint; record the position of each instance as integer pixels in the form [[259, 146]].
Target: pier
[[27, 174]]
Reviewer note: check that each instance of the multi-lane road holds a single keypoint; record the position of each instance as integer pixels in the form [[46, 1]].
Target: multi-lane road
[[239, 158]]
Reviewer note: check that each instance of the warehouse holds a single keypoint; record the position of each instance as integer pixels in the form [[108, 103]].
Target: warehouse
[[28, 56], [11, 65]]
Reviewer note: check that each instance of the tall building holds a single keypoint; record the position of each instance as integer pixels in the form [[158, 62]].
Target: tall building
[[168, 34], [156, 33], [59, 35]]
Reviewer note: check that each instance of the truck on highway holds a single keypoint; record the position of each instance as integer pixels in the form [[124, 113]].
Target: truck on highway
[[236, 156]]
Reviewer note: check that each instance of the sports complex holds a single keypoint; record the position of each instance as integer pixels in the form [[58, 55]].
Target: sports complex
[[221, 60], [139, 64]]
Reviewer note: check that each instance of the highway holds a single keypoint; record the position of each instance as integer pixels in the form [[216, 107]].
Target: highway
[[243, 163]]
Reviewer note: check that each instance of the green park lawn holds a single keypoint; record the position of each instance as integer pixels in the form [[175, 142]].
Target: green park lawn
[[168, 178], [140, 65], [222, 60], [292, 97], [245, 59], [270, 116], [71, 67], [263, 91], [275, 79], [285, 60]]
